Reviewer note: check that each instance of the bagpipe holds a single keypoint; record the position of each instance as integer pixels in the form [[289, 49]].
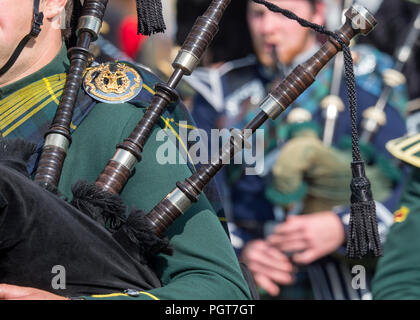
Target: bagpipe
[[104, 249]]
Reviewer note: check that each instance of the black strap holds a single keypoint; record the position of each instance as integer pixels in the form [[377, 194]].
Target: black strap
[[35, 30]]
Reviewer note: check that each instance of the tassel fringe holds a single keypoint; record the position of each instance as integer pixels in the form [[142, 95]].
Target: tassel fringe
[[363, 238], [150, 17]]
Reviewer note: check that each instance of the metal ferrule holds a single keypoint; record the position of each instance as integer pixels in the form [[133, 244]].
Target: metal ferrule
[[57, 140], [179, 200], [125, 158], [272, 107], [186, 61], [361, 18], [91, 24]]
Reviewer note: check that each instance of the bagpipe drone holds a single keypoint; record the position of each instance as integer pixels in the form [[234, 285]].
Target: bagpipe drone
[[38, 229]]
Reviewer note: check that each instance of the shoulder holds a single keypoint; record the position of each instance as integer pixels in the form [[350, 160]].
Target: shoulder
[[243, 80], [238, 65], [233, 73], [125, 83], [406, 149], [241, 73], [213, 84], [113, 86], [119, 82]]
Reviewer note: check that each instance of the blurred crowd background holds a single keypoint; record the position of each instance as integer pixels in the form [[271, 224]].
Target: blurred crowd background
[[233, 39]]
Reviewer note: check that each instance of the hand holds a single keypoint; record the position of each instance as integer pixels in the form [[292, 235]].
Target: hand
[[269, 266], [10, 292], [309, 237]]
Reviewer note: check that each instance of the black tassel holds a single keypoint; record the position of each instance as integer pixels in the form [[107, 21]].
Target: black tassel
[[149, 17], [106, 208], [363, 238], [134, 233], [139, 239]]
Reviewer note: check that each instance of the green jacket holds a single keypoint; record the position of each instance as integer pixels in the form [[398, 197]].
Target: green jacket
[[398, 271], [203, 265]]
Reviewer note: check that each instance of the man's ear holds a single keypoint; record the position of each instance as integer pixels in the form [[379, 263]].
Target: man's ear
[[52, 8]]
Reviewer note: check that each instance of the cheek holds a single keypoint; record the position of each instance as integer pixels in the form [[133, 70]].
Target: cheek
[[3, 16], [15, 20], [296, 37], [13, 25], [292, 44], [253, 25], [256, 31], [4, 28]]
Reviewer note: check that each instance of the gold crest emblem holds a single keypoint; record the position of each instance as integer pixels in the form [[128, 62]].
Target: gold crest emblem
[[113, 82]]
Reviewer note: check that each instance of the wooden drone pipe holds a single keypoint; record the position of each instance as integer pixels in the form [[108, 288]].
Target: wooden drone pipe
[[128, 154], [359, 20], [58, 138]]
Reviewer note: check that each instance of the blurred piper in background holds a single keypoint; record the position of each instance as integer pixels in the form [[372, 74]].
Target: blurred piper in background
[[274, 247]]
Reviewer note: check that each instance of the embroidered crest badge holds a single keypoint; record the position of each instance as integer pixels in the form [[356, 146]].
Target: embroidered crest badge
[[112, 82]]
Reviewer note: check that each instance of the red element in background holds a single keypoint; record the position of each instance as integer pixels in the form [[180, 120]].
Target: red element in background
[[130, 41]]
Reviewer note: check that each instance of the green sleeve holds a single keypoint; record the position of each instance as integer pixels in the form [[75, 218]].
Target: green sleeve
[[398, 271], [203, 265]]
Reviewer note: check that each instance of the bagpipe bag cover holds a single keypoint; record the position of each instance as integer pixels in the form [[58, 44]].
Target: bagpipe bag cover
[[38, 231]]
